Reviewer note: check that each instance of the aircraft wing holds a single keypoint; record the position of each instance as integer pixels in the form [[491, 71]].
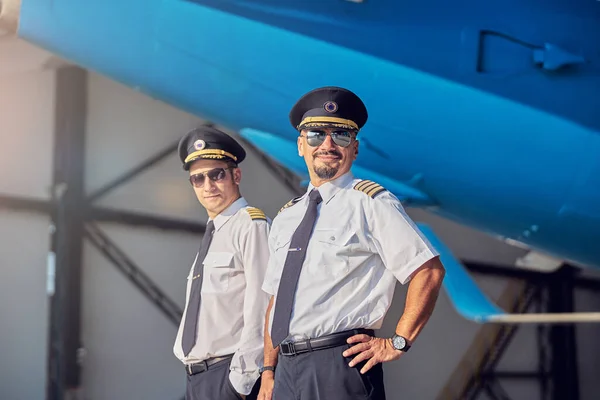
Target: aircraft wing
[[470, 301], [281, 150]]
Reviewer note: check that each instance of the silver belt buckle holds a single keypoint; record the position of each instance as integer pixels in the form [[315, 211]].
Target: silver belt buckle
[[291, 348]]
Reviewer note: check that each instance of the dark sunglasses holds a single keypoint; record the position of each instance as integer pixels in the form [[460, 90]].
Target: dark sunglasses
[[341, 138], [215, 175]]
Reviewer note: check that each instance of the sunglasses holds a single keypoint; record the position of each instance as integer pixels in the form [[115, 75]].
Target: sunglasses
[[215, 175], [316, 137]]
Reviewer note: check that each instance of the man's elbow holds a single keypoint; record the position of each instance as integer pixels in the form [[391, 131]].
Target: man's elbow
[[439, 266], [436, 270]]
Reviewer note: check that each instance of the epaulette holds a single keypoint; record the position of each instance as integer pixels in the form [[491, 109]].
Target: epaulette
[[290, 203], [371, 188], [256, 213]]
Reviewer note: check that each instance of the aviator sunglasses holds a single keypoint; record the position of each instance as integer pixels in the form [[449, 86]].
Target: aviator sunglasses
[[215, 175], [316, 137]]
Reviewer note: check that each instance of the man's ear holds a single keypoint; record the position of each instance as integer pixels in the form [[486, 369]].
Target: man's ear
[[237, 176], [300, 146]]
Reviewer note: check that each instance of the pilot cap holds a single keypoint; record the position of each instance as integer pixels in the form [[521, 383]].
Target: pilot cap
[[207, 142], [329, 107]]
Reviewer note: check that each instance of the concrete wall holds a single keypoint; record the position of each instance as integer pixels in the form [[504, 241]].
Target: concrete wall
[[26, 118], [23, 305]]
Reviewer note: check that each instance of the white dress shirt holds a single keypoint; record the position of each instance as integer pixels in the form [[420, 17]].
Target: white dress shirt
[[360, 247], [233, 306]]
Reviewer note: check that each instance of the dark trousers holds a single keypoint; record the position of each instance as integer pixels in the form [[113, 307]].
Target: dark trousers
[[325, 375], [214, 384]]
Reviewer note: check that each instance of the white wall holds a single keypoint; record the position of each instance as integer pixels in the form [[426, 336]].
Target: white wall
[[26, 118], [128, 341], [24, 242]]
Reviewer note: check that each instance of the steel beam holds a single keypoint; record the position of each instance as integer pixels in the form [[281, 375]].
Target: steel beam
[[25, 204], [285, 177], [133, 172], [64, 376], [134, 273], [103, 214], [564, 369], [143, 166]]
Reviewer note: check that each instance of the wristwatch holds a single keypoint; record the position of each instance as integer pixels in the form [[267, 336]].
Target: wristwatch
[[400, 343], [267, 368]]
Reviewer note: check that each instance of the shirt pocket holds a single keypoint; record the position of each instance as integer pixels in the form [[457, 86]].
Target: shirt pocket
[[282, 246], [332, 253], [218, 268]]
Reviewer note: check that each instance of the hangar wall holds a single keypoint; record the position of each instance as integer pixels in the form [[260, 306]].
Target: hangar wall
[[127, 340]]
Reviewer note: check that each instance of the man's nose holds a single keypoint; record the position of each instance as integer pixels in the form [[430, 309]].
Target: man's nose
[[327, 143], [209, 184]]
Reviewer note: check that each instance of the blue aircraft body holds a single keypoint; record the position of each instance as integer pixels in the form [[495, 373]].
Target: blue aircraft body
[[486, 113]]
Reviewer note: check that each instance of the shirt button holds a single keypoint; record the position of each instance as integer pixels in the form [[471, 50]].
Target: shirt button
[[332, 238]]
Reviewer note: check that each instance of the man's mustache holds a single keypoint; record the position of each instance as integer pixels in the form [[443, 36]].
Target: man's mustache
[[328, 153]]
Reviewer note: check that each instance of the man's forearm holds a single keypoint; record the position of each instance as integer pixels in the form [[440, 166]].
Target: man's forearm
[[421, 298], [270, 352]]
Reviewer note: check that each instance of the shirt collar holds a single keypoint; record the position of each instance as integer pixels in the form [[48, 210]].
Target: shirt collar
[[224, 216], [329, 189]]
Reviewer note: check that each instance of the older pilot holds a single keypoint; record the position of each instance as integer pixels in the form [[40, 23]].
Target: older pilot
[[336, 255]]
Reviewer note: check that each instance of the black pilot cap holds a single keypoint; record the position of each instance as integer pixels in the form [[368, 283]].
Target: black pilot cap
[[209, 143], [329, 106]]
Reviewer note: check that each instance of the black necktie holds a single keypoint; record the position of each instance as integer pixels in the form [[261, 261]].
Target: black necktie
[[188, 339], [291, 271]]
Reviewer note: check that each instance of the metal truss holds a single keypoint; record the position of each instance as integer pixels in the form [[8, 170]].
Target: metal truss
[[556, 344], [285, 176], [92, 214], [134, 273], [74, 217]]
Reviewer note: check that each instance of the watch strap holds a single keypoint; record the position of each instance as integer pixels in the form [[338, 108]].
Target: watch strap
[[266, 368]]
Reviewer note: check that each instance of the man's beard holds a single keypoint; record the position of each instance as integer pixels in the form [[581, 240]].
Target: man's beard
[[325, 171]]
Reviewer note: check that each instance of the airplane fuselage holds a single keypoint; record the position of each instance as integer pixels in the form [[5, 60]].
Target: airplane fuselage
[[492, 109]]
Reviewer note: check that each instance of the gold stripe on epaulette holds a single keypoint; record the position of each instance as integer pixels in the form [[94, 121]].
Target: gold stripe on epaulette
[[370, 188], [290, 203], [361, 184], [256, 213], [367, 186]]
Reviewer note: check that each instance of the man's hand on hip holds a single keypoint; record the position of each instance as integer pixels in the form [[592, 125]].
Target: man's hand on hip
[[373, 349]]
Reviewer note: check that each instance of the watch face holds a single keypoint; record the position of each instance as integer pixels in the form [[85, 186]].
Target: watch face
[[399, 342]]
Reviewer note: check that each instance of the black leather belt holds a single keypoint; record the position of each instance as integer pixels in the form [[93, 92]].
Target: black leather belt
[[202, 366], [320, 343]]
